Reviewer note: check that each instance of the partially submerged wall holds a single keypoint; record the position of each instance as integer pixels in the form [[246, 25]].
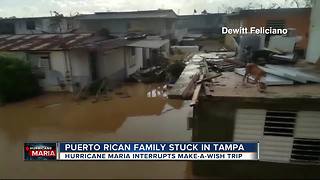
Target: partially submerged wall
[[133, 63], [214, 120], [110, 64], [313, 52]]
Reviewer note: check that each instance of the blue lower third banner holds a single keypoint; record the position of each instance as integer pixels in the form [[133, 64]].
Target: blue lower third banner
[[158, 151]]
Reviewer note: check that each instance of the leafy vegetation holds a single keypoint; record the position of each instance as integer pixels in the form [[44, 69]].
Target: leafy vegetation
[[174, 70], [17, 82]]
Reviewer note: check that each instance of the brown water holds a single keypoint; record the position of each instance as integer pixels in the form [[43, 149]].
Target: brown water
[[144, 116]]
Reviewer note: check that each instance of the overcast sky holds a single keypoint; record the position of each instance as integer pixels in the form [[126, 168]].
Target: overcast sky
[[33, 8]]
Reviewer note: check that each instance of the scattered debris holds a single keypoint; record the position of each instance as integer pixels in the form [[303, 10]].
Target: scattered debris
[[209, 77], [149, 75], [269, 80], [293, 73], [100, 89]]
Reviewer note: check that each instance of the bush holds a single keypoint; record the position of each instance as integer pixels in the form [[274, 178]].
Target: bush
[[17, 82], [174, 70]]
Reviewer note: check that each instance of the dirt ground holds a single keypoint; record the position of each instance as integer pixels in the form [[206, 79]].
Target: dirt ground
[[144, 114]]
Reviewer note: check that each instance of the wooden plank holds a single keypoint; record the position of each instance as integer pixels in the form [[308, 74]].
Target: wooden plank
[[196, 93], [188, 91]]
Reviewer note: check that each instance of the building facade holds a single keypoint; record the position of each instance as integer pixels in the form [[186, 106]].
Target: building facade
[[297, 18]]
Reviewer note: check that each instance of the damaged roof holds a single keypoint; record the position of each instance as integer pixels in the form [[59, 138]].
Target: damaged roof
[[129, 15], [104, 44], [41, 42], [57, 42]]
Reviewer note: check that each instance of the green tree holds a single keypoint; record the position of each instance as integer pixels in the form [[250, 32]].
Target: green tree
[[17, 82]]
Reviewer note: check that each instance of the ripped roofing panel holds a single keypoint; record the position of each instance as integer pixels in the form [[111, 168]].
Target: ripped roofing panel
[[41, 42]]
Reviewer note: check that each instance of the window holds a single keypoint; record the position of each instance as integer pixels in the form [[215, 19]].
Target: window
[[280, 123], [6, 28], [31, 25], [305, 150], [44, 63]]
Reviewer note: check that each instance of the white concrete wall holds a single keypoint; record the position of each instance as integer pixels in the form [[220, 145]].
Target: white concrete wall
[[147, 53], [165, 49], [111, 64], [138, 59], [157, 26], [80, 67], [80, 63], [58, 61], [42, 24], [56, 73], [313, 51]]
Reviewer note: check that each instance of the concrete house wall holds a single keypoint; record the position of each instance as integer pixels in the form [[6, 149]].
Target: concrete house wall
[[118, 64], [80, 66], [214, 120], [111, 64], [162, 27], [74, 63], [313, 52], [72, 67], [137, 60], [42, 25]]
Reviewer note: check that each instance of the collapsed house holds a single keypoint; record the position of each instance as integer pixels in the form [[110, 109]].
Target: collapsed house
[[65, 62], [284, 119]]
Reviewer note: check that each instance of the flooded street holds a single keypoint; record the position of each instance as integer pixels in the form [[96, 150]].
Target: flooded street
[[143, 114]]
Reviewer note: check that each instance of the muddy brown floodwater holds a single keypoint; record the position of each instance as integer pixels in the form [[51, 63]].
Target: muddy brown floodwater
[[135, 112]]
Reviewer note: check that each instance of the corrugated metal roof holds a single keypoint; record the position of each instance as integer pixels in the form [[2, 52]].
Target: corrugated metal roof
[[129, 15], [41, 42], [104, 44]]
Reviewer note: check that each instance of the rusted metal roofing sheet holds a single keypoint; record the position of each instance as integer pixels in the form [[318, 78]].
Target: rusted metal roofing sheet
[[41, 42], [104, 44]]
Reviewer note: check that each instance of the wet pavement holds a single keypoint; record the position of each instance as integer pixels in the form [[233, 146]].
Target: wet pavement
[[135, 112]]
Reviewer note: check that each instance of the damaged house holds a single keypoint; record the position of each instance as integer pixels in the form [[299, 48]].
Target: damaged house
[[72, 52], [296, 18], [284, 119], [69, 61]]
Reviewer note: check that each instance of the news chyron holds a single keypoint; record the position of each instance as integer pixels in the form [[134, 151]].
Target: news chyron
[[65, 151]]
